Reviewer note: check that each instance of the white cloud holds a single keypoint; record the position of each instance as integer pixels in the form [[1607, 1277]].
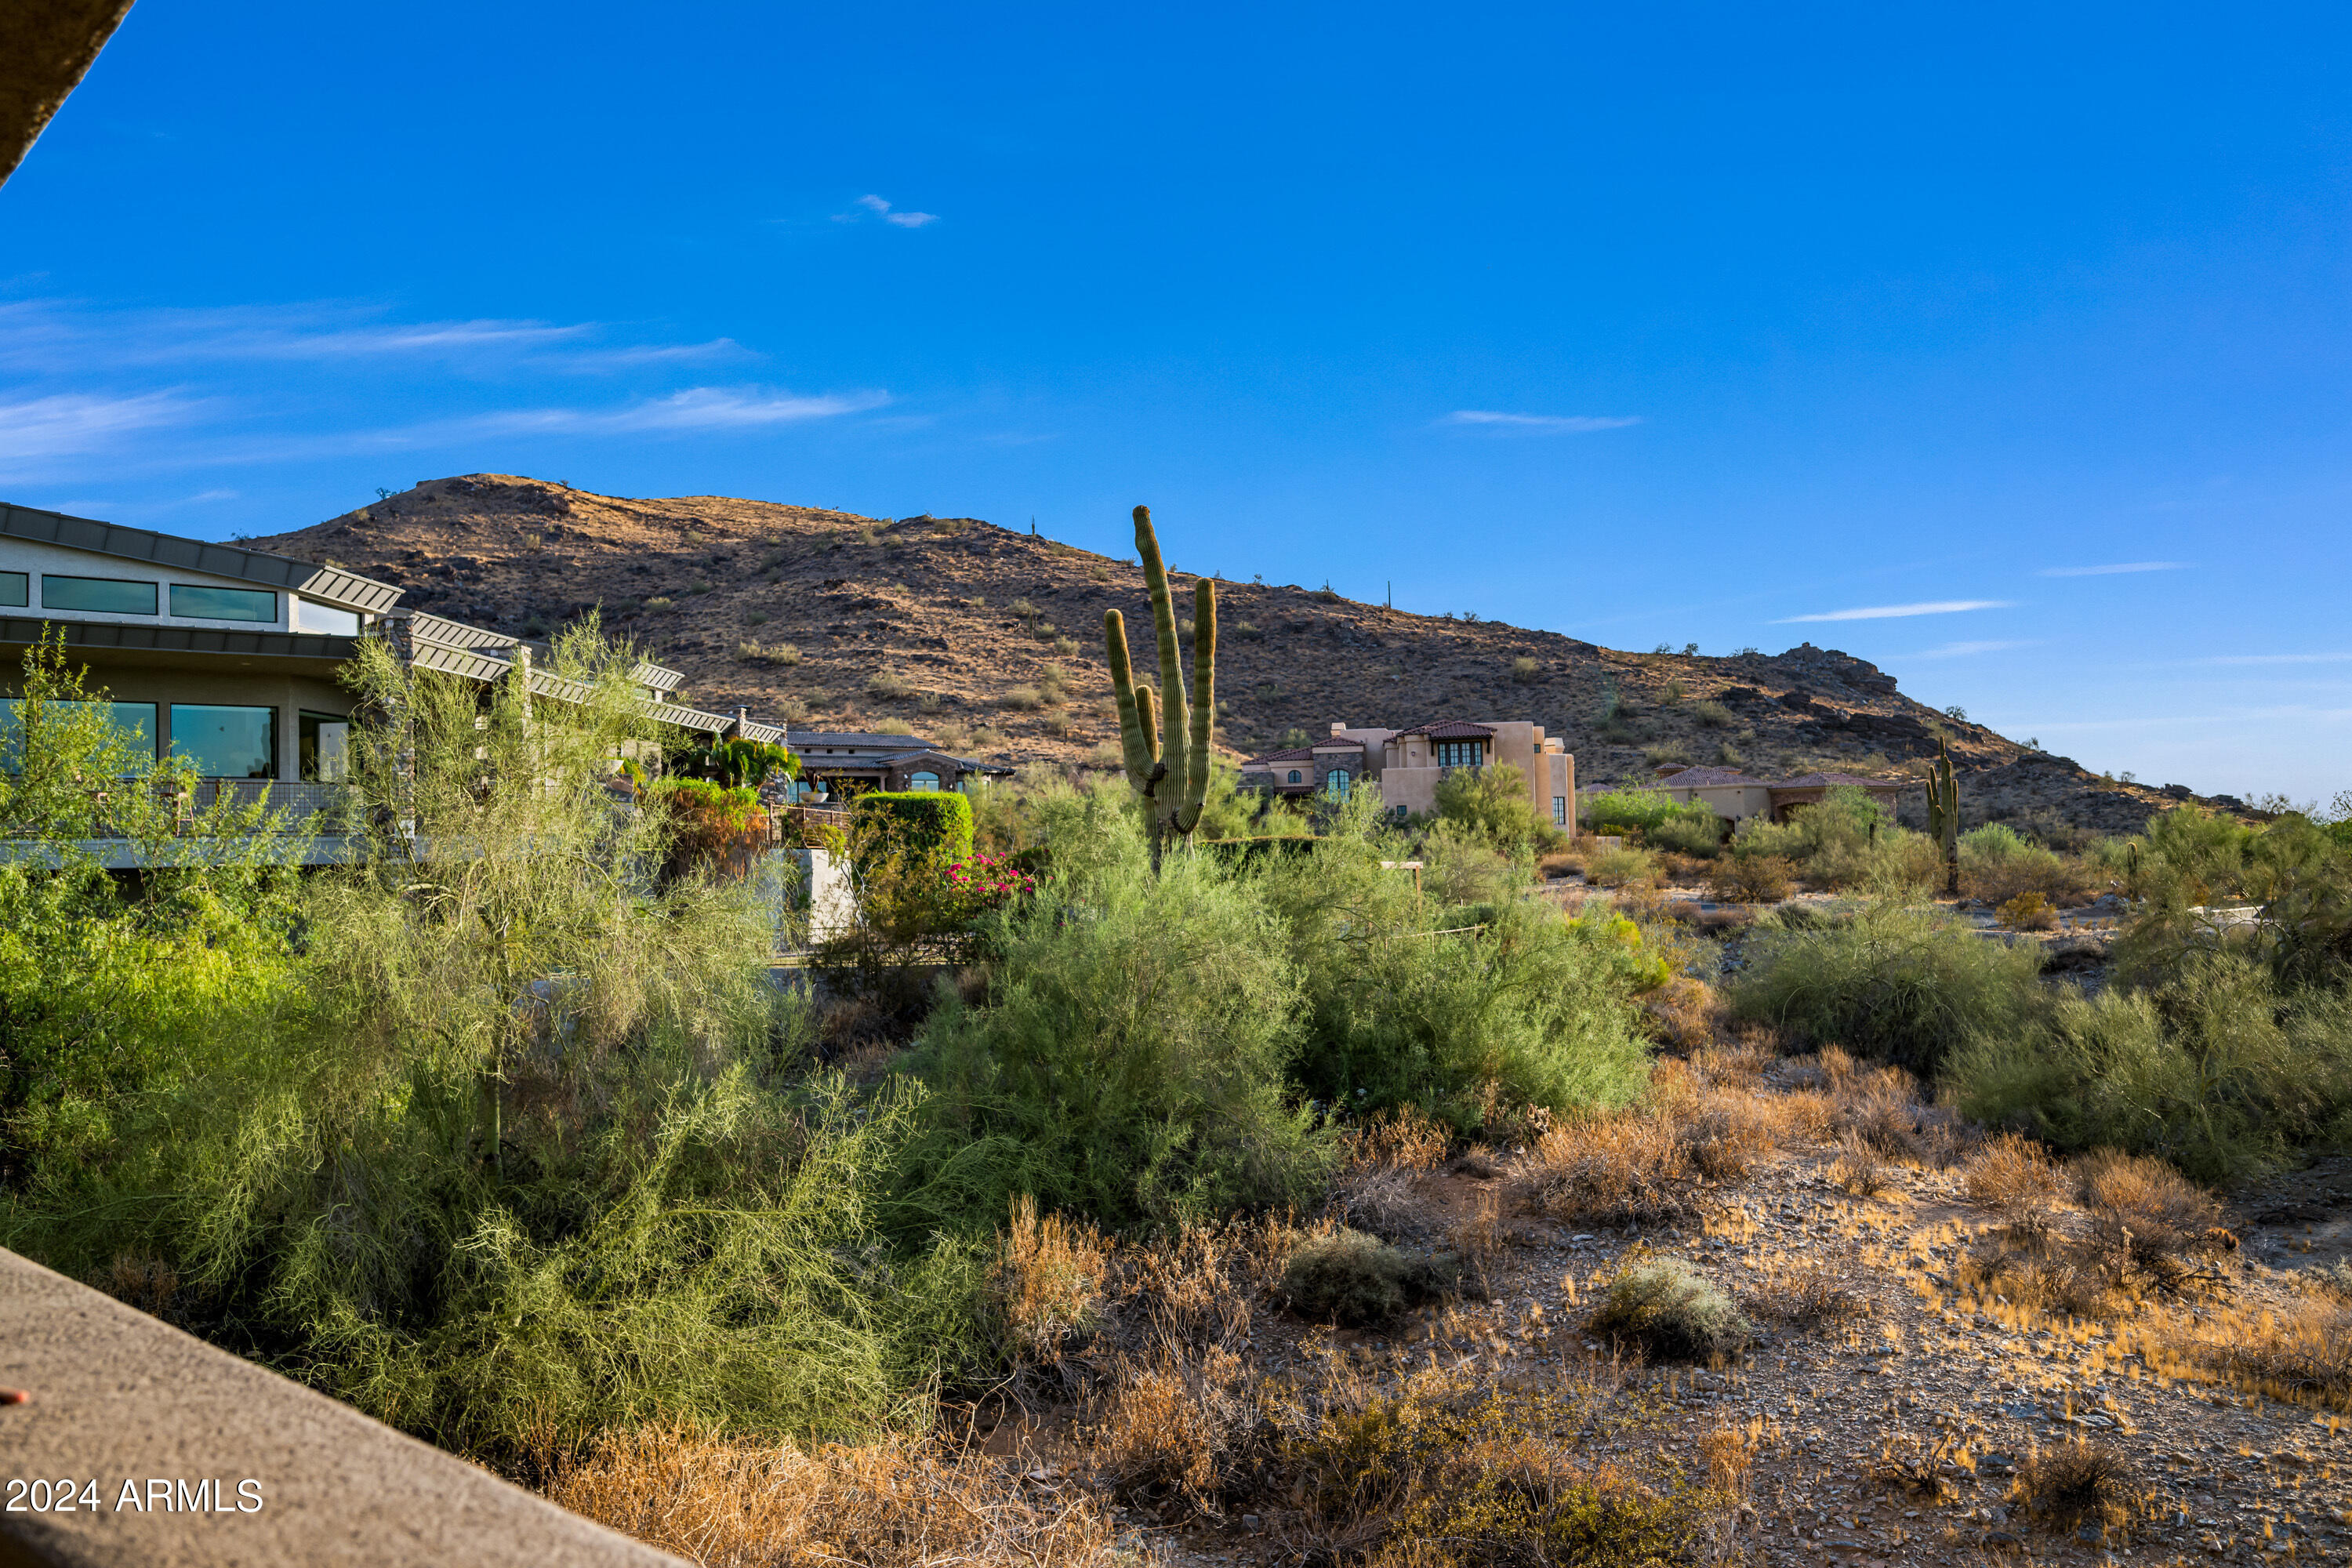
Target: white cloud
[[1897, 611], [74, 424], [1546, 423], [2110, 571], [65, 338], [882, 209], [1964, 649], [697, 409]]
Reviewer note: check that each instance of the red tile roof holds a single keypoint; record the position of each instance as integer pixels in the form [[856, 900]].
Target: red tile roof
[[1296, 755]]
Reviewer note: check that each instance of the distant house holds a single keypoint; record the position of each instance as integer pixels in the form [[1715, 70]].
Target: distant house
[[1408, 764], [846, 762], [1735, 796]]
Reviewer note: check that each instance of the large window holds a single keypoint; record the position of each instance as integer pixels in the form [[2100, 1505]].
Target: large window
[[1559, 809], [1459, 754], [15, 588], [923, 781], [227, 742], [135, 720], [325, 620], [1335, 783], [323, 743], [98, 595], [201, 604]]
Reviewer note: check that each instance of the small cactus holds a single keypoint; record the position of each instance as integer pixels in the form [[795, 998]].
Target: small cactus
[[1167, 752], [1944, 815]]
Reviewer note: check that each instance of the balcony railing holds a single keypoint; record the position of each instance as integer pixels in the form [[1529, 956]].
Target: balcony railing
[[301, 807]]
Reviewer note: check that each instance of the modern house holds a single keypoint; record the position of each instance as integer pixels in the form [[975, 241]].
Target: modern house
[[844, 763], [1408, 764], [230, 658], [1735, 796]]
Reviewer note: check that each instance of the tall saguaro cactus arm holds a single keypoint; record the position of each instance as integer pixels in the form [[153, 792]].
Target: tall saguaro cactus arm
[[1174, 718], [1135, 732], [1167, 753], [1205, 704], [1944, 815]]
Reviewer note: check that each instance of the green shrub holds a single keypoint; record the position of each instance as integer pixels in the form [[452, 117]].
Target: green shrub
[[1616, 867], [1996, 865], [1353, 1281], [1900, 982], [1670, 1311], [1129, 1062], [2215, 1069], [518, 1150], [932, 823], [1689, 833], [1634, 810], [1712, 714], [1493, 801]]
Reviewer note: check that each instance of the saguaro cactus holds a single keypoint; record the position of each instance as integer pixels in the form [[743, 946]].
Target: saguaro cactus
[[1167, 753], [1944, 815]]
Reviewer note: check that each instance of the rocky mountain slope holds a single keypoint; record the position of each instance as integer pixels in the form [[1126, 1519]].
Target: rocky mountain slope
[[991, 641]]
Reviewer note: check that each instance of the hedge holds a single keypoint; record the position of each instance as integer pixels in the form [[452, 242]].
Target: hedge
[[928, 819]]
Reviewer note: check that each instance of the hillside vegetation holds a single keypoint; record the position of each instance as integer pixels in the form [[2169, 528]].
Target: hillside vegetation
[[990, 640]]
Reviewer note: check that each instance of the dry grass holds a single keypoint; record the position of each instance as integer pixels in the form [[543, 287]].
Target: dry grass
[[1404, 1140], [1914, 1464], [730, 1503], [1752, 879], [2300, 1354], [2078, 1482], [1681, 1014], [1174, 1431], [1632, 1168], [2017, 1179], [1860, 1171], [1045, 1290], [1807, 1295], [2158, 1220]]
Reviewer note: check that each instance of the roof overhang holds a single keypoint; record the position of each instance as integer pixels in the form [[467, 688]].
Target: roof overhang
[[23, 631], [328, 585]]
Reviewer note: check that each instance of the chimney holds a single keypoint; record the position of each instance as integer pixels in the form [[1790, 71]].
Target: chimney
[[1337, 728], [742, 726]]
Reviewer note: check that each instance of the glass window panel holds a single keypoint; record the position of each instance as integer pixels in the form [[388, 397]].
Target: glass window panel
[[15, 588], [227, 742], [203, 604], [99, 596], [325, 620], [323, 741], [135, 720], [923, 781]]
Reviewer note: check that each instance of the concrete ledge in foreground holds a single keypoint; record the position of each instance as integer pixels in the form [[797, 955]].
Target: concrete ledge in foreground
[[195, 1458]]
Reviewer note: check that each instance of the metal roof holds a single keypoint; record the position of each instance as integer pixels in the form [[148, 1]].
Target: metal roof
[[328, 585], [457, 634], [28, 630]]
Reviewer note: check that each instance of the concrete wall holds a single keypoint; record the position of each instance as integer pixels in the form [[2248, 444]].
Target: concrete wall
[[171, 1431]]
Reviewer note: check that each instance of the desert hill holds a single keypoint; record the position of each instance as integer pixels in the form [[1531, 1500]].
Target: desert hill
[[989, 641]]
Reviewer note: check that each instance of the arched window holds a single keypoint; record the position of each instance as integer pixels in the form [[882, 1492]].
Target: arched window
[[1335, 783], [1295, 777], [923, 781]]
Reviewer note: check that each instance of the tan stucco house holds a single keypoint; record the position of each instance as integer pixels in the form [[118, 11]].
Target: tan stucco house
[[1407, 763]]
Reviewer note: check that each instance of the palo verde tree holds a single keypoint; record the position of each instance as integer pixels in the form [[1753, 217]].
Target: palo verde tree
[[1166, 753]]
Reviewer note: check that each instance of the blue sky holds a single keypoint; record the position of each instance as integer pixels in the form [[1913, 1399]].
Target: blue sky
[[1713, 324]]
